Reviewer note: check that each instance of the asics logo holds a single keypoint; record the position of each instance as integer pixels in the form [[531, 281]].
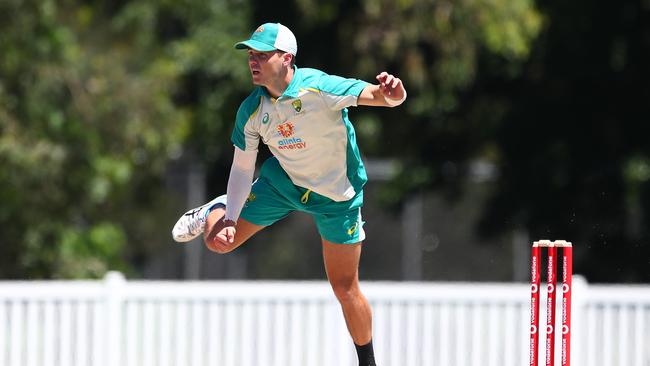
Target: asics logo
[[353, 229], [194, 211]]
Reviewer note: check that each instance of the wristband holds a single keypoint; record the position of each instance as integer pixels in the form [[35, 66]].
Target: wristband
[[229, 222]]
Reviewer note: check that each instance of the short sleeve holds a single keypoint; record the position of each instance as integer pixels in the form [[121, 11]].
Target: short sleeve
[[245, 134], [339, 92]]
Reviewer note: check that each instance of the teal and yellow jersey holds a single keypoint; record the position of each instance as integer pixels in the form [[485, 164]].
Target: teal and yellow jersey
[[308, 130]]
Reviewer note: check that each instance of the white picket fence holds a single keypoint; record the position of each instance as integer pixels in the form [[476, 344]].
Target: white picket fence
[[144, 323]]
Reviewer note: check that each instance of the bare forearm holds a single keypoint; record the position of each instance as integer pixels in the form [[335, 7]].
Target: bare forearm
[[372, 96], [390, 92]]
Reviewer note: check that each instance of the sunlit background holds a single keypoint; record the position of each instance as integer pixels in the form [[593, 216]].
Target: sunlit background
[[525, 120]]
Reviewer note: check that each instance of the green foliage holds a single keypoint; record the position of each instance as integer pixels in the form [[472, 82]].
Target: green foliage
[[439, 49], [90, 253], [573, 151], [88, 122], [215, 74], [548, 92], [435, 46], [96, 98]]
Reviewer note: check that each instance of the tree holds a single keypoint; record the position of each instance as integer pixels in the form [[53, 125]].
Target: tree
[[573, 153], [88, 122], [443, 51]]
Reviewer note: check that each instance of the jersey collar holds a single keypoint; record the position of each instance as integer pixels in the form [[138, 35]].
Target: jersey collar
[[292, 89], [294, 86]]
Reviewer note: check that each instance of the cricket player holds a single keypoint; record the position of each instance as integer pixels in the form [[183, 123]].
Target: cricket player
[[302, 115]]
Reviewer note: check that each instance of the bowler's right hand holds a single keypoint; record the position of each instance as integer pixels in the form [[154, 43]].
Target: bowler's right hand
[[226, 235]]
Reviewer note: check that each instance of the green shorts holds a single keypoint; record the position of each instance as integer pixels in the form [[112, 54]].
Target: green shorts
[[274, 196]]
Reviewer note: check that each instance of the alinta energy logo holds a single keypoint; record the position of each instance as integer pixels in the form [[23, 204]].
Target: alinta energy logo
[[286, 130]]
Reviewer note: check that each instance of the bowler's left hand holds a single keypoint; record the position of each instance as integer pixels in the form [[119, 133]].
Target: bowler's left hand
[[391, 87]]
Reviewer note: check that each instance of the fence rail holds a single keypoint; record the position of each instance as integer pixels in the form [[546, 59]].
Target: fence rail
[[141, 323]]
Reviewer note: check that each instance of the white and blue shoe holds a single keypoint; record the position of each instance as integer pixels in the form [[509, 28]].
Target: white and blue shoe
[[192, 223]]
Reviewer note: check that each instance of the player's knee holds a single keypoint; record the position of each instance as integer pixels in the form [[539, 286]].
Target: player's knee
[[345, 291]]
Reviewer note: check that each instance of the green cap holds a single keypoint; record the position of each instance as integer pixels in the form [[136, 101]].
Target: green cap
[[270, 37]]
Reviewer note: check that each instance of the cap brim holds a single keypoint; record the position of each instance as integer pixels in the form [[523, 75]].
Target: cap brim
[[256, 45]]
